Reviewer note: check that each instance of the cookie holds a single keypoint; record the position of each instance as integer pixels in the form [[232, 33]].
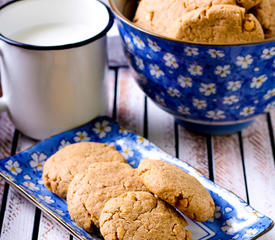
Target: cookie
[[61, 167], [265, 13], [159, 16], [177, 188], [248, 4], [89, 191], [139, 216], [218, 24]]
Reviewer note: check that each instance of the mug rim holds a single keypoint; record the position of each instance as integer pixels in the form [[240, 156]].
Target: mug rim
[[63, 46], [120, 16]]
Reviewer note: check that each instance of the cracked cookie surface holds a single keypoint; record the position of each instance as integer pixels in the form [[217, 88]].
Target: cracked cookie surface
[[219, 22], [89, 191], [140, 215], [265, 13], [62, 166], [177, 188]]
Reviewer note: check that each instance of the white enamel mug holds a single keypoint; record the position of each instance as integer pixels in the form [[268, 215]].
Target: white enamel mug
[[53, 63]]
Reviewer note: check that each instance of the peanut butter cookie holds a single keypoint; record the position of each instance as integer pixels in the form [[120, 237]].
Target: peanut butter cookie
[[61, 167], [89, 191], [159, 15], [218, 24], [138, 216], [265, 12], [178, 188]]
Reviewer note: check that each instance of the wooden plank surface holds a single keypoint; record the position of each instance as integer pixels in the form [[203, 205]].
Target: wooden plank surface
[[259, 169], [193, 150], [6, 136], [228, 167], [161, 128], [130, 103]]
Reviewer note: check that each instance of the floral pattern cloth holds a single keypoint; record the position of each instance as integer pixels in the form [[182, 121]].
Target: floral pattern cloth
[[233, 219], [202, 82]]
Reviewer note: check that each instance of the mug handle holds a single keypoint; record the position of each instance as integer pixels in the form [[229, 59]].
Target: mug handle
[[3, 103]]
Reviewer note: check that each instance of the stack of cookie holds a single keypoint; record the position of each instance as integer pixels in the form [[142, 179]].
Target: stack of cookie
[[103, 190], [208, 21]]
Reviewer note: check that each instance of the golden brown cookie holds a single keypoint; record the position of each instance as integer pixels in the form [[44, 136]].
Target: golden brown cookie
[[89, 191], [222, 22], [178, 188], [61, 167], [218, 24], [248, 4], [265, 13], [159, 16], [139, 216]]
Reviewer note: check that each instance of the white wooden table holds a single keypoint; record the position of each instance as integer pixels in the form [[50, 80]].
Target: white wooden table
[[241, 162]]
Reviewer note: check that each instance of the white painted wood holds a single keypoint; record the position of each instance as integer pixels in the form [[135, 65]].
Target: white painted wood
[[130, 102], [19, 212], [45, 226], [260, 171], [228, 164], [18, 218], [160, 128], [193, 150], [50, 230], [111, 91], [6, 135]]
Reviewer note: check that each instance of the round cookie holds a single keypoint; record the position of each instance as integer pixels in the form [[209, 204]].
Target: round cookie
[[138, 216], [178, 188], [265, 13], [89, 191], [158, 16], [218, 24], [62, 166]]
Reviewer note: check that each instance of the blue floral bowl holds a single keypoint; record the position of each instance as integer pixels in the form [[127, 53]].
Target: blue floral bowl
[[214, 89]]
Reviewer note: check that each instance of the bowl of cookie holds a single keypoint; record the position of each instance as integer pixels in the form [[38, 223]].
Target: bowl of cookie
[[209, 63]]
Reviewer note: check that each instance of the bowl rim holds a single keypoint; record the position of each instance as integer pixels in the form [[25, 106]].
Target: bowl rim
[[119, 15]]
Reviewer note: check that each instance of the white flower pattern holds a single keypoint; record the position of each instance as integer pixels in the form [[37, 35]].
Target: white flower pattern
[[184, 81], [234, 86], [13, 167], [195, 70], [184, 110], [230, 100], [258, 81], [208, 89], [31, 186], [216, 53], [173, 92], [247, 111], [47, 199], [215, 114], [170, 60], [268, 53], [223, 71], [199, 104], [137, 41], [38, 160], [155, 71], [128, 42], [244, 62], [82, 137], [126, 152], [139, 63], [160, 100], [191, 51], [269, 94], [63, 143], [153, 45], [101, 129]]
